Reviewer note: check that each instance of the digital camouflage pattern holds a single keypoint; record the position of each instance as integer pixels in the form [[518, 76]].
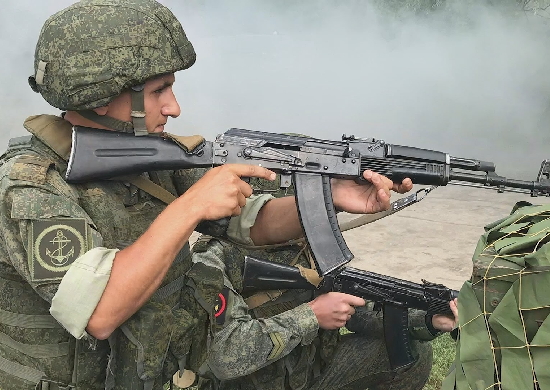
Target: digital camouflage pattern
[[147, 350], [278, 346], [504, 322], [78, 67]]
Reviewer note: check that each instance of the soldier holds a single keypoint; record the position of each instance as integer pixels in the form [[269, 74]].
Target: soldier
[[290, 340], [93, 275], [504, 319]]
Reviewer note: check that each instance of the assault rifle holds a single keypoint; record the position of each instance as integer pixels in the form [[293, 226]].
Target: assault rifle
[[308, 163], [394, 296]]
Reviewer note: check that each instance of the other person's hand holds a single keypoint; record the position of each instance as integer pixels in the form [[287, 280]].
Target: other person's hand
[[444, 322], [334, 309]]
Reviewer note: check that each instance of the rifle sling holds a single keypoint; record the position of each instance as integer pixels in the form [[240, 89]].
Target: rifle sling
[[395, 206], [309, 274], [151, 188], [364, 219]]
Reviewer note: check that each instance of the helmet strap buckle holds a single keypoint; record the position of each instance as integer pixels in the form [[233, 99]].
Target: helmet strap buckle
[[138, 110]]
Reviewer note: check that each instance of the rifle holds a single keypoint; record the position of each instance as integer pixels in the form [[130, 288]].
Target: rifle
[[394, 296], [306, 162]]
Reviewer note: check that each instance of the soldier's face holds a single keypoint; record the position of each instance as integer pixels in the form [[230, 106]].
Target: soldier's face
[[160, 103]]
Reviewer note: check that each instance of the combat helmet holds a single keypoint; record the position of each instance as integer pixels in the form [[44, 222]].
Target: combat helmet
[[91, 51]]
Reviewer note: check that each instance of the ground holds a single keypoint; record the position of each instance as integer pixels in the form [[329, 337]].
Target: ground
[[433, 239]]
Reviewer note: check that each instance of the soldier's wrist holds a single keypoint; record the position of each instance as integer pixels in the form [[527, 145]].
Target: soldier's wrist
[[429, 325]]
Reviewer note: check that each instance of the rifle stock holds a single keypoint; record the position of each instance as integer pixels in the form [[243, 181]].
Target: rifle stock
[[395, 296]]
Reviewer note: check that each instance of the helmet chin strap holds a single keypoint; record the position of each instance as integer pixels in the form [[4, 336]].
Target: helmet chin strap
[[107, 121], [138, 110], [137, 125]]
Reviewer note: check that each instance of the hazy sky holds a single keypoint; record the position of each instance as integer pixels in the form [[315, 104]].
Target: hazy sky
[[477, 90]]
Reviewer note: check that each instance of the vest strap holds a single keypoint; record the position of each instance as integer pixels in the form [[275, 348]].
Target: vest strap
[[262, 297], [20, 371], [171, 288], [39, 351], [28, 321]]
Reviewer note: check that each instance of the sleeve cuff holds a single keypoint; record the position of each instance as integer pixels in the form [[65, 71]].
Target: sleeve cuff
[[421, 328], [307, 323], [239, 226], [81, 289]]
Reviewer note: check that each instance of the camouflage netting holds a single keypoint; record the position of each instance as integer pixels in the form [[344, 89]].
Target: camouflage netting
[[504, 339]]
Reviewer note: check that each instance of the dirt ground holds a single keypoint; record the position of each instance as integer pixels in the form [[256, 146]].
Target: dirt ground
[[433, 239]]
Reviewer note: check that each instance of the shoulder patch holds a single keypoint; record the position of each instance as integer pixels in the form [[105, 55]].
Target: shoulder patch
[[30, 168], [220, 306], [54, 246]]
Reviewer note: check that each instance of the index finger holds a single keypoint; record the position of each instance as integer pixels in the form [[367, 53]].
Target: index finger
[[454, 308], [353, 300], [244, 170], [405, 186]]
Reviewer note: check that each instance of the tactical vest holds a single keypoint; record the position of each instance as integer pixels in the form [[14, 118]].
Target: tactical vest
[[307, 360], [504, 338], [144, 353]]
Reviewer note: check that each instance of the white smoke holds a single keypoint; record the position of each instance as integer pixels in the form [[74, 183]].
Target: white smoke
[[473, 85]]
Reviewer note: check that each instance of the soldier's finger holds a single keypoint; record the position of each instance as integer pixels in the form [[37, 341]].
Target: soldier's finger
[[245, 188], [243, 170], [383, 199], [241, 200], [381, 183], [352, 300], [454, 307], [236, 211], [405, 186]]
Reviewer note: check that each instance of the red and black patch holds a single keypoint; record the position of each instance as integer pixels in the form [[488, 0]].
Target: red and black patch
[[220, 307]]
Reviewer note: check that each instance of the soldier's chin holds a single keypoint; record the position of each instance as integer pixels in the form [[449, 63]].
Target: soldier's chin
[[158, 129]]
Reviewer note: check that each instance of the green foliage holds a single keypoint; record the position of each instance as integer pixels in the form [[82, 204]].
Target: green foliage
[[444, 354]]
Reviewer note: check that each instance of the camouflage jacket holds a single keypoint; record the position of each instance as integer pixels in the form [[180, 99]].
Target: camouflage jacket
[[276, 345], [265, 346], [46, 225]]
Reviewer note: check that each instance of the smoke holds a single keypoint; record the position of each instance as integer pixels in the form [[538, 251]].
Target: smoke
[[467, 80]]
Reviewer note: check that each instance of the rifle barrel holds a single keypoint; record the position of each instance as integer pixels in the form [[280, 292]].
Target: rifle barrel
[[498, 181]]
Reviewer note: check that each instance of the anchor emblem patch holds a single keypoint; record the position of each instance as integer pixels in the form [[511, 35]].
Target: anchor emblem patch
[[56, 244]]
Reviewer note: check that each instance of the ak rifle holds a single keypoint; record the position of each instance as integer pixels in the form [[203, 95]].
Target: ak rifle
[[308, 163]]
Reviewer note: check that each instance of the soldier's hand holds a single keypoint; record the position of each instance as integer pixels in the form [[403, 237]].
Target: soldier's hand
[[366, 197], [447, 323], [334, 309], [221, 192]]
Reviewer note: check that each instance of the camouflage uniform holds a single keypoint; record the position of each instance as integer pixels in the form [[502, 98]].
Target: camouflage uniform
[[55, 262], [278, 345], [59, 240]]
